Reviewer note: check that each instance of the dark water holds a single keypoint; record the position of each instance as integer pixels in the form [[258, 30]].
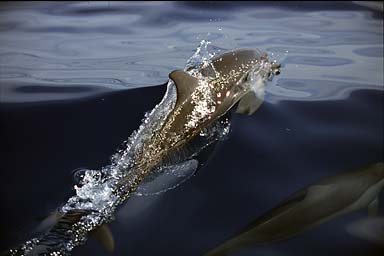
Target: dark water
[[76, 79]]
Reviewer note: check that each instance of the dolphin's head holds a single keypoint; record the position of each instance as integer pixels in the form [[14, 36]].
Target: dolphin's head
[[210, 89], [241, 64]]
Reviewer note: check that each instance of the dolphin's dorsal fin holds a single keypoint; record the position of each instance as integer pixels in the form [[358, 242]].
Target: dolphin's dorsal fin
[[185, 85], [104, 236], [249, 103]]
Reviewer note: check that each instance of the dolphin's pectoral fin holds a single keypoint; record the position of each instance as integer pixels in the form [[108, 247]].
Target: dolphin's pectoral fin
[[48, 221], [185, 84], [52, 215], [249, 103], [373, 207], [104, 236], [168, 177]]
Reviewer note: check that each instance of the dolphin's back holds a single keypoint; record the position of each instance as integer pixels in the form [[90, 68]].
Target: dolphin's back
[[242, 57]]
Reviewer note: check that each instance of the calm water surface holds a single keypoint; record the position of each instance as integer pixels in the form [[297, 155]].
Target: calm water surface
[[77, 77]]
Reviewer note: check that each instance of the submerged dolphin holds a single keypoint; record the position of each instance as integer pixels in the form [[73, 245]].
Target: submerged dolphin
[[324, 200], [203, 97]]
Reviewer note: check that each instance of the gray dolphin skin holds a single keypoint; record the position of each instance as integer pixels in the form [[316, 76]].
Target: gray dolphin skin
[[324, 200], [203, 96]]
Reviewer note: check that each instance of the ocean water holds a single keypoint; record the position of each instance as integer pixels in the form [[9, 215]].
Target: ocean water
[[77, 77]]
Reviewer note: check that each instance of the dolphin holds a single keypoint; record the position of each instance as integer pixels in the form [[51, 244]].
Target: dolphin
[[201, 101], [203, 97], [322, 201]]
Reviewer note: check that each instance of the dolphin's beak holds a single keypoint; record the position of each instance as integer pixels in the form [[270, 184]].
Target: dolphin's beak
[[275, 65]]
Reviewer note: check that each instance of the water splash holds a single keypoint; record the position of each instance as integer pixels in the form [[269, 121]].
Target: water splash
[[204, 52]]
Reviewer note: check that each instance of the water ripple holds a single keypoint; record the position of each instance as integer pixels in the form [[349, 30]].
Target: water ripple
[[119, 45], [314, 90], [376, 52], [299, 50], [317, 61]]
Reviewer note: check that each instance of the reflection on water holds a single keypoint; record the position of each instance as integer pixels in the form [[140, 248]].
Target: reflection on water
[[321, 115]]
